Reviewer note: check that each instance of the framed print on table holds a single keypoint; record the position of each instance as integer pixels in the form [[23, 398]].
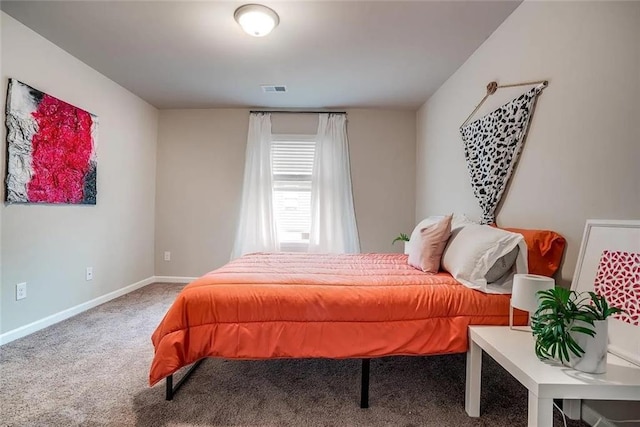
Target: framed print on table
[[609, 264]]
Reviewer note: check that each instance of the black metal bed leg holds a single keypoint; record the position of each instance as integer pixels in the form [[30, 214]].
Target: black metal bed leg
[[364, 390], [170, 389]]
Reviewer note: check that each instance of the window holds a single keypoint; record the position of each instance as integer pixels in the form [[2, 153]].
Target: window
[[278, 190], [292, 164]]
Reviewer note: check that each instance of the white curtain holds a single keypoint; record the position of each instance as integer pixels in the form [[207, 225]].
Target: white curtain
[[256, 228], [333, 219]]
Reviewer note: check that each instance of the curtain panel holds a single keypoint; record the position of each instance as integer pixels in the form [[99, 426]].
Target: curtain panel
[[256, 230], [333, 219]]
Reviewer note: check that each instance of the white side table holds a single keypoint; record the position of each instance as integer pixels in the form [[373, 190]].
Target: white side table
[[514, 351]]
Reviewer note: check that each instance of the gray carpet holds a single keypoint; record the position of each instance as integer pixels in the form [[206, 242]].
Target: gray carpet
[[91, 370]]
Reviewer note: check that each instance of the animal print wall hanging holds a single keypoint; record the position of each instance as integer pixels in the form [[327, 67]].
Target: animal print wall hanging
[[492, 145]]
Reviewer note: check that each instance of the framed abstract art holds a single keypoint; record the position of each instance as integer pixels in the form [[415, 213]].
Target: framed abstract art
[[609, 264], [51, 149]]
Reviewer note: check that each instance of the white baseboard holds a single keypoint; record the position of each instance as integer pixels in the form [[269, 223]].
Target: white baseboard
[[173, 279], [70, 312]]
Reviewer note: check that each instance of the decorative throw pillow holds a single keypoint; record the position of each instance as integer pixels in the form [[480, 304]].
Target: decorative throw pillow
[[433, 241], [545, 250], [414, 245], [502, 266], [472, 251]]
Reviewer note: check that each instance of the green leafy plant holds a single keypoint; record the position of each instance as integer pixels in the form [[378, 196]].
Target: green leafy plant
[[600, 308], [402, 237], [563, 313]]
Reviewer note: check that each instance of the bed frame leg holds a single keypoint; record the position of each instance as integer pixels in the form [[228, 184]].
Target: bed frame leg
[[364, 390], [170, 389]]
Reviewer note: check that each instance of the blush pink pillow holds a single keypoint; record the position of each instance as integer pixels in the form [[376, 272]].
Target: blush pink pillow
[[427, 253]]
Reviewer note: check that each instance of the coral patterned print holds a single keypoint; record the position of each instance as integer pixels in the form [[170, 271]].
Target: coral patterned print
[[618, 279]]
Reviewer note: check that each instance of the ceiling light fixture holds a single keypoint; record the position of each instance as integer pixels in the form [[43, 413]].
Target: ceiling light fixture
[[256, 20]]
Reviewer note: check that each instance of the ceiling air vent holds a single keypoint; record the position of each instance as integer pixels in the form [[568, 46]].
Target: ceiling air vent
[[274, 88]]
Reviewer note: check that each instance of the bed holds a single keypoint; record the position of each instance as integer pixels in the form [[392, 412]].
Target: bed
[[299, 305]]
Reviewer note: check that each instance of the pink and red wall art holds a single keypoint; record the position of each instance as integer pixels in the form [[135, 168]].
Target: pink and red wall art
[[51, 149], [618, 279]]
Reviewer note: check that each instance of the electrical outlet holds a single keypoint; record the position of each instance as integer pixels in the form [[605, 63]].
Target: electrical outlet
[[21, 291], [167, 256], [89, 274]]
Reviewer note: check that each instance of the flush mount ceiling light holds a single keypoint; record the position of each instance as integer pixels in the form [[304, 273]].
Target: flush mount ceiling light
[[256, 20]]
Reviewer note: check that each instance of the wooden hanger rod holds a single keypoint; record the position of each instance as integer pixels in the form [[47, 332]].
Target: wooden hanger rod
[[492, 87], [545, 83]]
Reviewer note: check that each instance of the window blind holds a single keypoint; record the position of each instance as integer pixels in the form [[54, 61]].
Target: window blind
[[292, 165], [292, 158]]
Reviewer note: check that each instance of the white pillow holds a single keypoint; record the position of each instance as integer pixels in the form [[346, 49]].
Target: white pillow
[[472, 251], [460, 220]]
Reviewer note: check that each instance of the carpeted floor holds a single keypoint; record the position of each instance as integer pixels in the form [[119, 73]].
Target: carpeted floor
[[91, 370]]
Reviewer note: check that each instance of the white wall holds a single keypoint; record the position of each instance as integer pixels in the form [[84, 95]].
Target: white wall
[[199, 186], [583, 149], [581, 159], [200, 169], [382, 152], [49, 246]]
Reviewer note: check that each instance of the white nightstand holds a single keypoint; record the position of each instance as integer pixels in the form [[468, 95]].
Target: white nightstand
[[514, 351]]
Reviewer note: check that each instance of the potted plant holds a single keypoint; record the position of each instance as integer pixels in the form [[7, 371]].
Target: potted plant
[[403, 238], [572, 328]]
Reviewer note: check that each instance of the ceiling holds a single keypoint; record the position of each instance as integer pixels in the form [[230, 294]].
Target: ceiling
[[329, 54]]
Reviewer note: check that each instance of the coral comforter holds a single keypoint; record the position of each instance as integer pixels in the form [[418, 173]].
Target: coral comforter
[[294, 305]]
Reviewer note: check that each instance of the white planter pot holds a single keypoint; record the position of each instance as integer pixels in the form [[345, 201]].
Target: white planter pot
[[406, 248], [594, 359]]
